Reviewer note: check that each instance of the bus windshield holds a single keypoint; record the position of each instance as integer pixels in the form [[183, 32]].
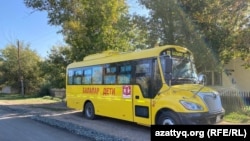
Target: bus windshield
[[183, 69]]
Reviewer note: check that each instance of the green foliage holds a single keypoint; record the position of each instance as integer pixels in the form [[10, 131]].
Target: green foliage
[[53, 68], [169, 24], [219, 22], [242, 45], [212, 29], [15, 96], [238, 117], [44, 90], [26, 65], [89, 26], [139, 34]]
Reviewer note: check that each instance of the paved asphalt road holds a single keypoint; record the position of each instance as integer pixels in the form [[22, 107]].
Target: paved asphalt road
[[14, 127]]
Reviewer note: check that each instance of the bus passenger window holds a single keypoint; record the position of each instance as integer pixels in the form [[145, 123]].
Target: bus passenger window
[[110, 74], [109, 79], [124, 79], [156, 81], [97, 75], [142, 73], [86, 80], [143, 81], [77, 79], [70, 77], [124, 76], [87, 76]]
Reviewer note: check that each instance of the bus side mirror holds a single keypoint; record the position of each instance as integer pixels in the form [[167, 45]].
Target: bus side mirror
[[202, 79]]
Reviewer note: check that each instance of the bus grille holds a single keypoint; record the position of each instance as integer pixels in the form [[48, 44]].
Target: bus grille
[[212, 101]]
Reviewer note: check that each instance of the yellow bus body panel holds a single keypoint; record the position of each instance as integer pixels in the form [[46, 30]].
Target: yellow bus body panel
[[107, 100]]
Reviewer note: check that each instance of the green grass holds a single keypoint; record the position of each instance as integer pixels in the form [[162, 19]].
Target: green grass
[[44, 102], [240, 116], [235, 117], [28, 98], [15, 96], [54, 98], [20, 97]]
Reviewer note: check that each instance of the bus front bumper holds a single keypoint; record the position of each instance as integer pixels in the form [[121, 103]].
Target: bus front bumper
[[201, 118]]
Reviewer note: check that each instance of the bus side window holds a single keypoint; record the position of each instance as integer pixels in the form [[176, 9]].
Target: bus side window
[[87, 76], [109, 79], [124, 76], [143, 81], [70, 76], [110, 74], [156, 81], [77, 79], [124, 79], [97, 74], [143, 75]]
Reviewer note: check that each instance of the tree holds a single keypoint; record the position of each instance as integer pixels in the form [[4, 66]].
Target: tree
[[220, 22], [168, 24], [28, 70], [243, 45], [54, 67], [89, 26], [140, 30], [210, 28]]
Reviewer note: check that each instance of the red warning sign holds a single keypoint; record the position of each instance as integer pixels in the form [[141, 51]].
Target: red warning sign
[[126, 91]]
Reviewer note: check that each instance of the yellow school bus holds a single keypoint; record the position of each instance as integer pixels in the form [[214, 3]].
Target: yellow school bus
[[156, 86]]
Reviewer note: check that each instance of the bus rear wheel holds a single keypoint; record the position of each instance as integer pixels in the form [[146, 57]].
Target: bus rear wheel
[[168, 118], [89, 110]]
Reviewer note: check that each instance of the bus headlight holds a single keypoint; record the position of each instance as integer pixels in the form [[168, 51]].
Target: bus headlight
[[191, 105]]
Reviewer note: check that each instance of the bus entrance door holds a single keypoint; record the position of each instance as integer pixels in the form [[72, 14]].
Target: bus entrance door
[[141, 107]]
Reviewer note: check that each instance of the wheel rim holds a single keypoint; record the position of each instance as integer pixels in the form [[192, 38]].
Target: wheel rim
[[89, 111], [168, 121]]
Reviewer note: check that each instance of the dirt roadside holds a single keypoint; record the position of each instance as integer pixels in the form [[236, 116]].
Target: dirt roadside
[[37, 105]]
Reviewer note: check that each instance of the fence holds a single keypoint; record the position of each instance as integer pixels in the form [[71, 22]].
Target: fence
[[59, 93], [234, 100]]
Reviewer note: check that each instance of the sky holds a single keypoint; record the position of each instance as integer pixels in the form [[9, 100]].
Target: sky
[[17, 22]]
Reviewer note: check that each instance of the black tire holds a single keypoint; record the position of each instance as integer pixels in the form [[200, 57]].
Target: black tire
[[89, 111], [168, 118]]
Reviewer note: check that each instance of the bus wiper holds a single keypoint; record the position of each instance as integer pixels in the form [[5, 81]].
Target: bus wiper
[[198, 90], [184, 79]]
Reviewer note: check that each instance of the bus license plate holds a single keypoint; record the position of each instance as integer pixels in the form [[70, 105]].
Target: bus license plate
[[218, 118]]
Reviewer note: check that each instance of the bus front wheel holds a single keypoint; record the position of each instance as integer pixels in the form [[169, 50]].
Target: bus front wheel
[[168, 118], [89, 110]]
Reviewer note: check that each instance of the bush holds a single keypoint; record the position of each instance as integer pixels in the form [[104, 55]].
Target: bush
[[44, 91]]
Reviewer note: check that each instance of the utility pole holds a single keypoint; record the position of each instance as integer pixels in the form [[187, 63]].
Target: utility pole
[[19, 70]]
